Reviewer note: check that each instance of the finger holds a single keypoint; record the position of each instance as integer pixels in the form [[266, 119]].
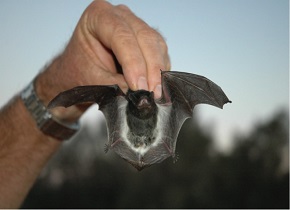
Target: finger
[[153, 48], [107, 25]]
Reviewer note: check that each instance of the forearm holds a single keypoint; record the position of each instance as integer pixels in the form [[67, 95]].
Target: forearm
[[24, 150]]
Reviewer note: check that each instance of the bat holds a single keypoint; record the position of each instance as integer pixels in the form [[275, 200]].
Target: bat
[[143, 130]]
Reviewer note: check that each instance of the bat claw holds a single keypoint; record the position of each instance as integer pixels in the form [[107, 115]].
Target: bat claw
[[106, 148], [175, 158]]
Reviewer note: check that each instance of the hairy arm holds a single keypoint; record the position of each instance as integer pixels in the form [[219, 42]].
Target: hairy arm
[[24, 150]]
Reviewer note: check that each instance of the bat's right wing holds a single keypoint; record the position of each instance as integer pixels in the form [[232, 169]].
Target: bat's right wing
[[185, 90], [100, 94], [180, 93]]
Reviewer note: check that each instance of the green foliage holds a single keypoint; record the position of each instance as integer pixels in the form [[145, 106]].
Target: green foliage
[[251, 176]]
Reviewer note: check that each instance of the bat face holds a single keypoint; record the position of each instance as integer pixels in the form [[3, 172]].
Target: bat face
[[141, 130]]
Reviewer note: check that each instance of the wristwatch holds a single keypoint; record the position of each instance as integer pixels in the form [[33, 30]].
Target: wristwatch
[[45, 121]]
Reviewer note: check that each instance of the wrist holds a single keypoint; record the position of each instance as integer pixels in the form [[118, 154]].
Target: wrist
[[43, 118]]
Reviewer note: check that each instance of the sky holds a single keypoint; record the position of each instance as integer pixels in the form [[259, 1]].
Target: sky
[[241, 45]]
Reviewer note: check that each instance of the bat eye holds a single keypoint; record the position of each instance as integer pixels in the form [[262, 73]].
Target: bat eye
[[132, 98]]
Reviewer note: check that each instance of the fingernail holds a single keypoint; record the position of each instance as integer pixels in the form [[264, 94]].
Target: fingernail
[[157, 91], [142, 83]]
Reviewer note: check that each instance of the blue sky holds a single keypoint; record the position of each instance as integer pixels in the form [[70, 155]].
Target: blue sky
[[242, 45]]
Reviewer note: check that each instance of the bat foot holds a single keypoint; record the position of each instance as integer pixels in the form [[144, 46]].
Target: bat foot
[[175, 158]]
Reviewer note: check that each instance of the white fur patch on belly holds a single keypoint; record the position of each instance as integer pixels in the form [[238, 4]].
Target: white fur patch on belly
[[163, 115]]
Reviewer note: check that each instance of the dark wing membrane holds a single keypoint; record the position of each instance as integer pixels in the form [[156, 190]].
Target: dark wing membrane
[[99, 94], [154, 155], [157, 154], [186, 90]]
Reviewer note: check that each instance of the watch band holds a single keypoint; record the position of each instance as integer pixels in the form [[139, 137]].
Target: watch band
[[44, 119]]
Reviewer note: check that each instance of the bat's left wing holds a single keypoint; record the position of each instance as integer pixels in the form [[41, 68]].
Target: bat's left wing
[[100, 94], [181, 92], [111, 101]]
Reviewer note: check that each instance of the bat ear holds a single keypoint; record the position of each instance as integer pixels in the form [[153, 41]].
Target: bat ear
[[131, 97]]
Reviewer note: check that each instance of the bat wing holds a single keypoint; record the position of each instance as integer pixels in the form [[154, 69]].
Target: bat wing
[[100, 94], [180, 93], [185, 90], [112, 103], [155, 154]]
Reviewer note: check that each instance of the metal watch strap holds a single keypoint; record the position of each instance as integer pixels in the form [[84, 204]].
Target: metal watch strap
[[44, 119]]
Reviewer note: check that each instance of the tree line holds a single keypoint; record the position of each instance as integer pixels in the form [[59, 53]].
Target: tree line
[[255, 174]]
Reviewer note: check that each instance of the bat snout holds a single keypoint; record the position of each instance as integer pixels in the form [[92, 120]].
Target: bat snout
[[144, 103]]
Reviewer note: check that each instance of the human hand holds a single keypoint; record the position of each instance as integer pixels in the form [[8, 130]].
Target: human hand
[[106, 32]]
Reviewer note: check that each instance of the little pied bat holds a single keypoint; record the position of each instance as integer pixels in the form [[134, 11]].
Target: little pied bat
[[141, 129]]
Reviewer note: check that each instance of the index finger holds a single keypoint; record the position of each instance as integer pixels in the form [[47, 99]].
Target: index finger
[[153, 48], [107, 24]]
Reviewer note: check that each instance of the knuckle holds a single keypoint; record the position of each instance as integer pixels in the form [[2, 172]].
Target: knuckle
[[122, 7], [147, 33], [122, 33], [163, 46], [152, 36]]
